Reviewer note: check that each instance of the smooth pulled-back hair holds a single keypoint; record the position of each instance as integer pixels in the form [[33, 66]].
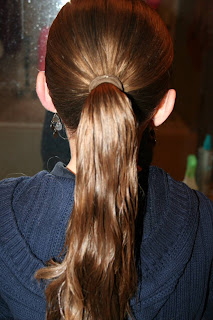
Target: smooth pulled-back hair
[[90, 38]]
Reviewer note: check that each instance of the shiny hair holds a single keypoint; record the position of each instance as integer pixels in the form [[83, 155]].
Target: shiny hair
[[89, 38]]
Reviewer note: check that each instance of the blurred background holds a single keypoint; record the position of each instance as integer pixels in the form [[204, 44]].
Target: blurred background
[[23, 31]]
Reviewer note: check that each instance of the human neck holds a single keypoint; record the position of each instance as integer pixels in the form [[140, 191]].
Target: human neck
[[72, 164]]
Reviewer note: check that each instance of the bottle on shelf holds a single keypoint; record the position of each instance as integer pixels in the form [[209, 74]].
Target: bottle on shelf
[[190, 175], [204, 168]]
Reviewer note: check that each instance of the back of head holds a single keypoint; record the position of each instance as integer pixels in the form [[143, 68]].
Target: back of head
[[123, 38], [89, 38]]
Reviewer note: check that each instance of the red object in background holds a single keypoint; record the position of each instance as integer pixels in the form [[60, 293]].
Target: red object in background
[[42, 47], [154, 3]]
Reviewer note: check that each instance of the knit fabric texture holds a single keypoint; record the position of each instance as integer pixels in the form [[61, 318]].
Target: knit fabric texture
[[174, 245]]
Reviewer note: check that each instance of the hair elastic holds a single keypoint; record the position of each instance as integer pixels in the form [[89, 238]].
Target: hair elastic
[[105, 79]]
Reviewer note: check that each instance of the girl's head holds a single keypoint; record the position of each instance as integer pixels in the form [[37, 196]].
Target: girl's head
[[126, 40]]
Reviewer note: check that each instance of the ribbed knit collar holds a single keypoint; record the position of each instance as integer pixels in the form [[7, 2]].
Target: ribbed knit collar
[[60, 170]]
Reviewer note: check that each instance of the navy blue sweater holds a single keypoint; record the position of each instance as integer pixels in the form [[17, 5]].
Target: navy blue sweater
[[174, 245]]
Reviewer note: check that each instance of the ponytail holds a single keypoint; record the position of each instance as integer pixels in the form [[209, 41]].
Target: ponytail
[[98, 275]]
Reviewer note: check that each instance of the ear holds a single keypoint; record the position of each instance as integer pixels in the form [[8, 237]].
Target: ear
[[165, 108], [43, 92]]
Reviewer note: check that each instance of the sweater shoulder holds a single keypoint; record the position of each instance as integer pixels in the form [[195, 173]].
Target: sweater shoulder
[[178, 225], [10, 189], [11, 186], [176, 192], [33, 215], [36, 210], [183, 203], [16, 258]]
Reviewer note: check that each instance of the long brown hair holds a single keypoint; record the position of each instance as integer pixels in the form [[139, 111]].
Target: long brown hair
[[89, 38]]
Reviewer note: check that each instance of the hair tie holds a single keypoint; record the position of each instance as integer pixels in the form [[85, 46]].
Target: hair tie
[[103, 79]]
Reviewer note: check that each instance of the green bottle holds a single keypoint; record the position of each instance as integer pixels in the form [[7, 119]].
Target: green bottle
[[190, 174]]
